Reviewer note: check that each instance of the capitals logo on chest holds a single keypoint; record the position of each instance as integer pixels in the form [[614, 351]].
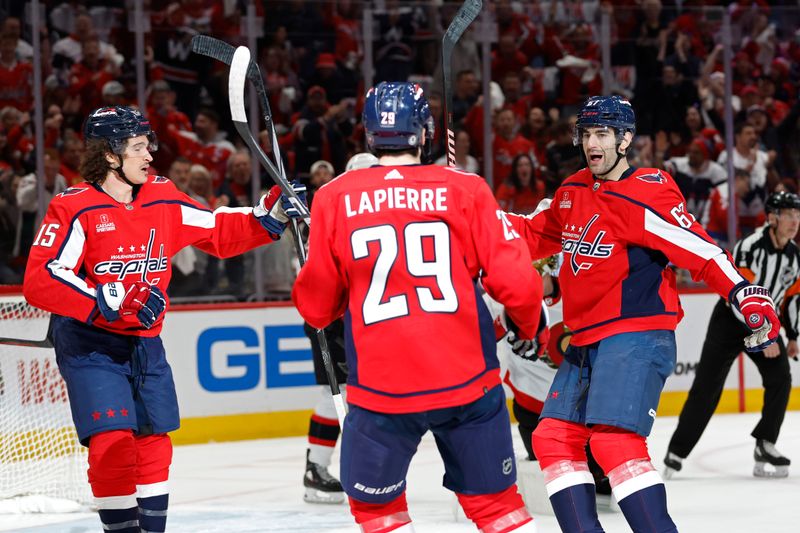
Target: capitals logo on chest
[[578, 246], [133, 259]]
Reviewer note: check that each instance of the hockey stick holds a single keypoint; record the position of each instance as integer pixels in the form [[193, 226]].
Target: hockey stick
[[240, 64], [224, 52], [26, 343], [467, 13]]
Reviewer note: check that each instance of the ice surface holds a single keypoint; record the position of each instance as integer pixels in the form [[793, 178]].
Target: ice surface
[[256, 486]]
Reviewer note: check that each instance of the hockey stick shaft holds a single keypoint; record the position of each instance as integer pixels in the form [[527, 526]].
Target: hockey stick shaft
[[10, 341], [240, 64], [467, 13]]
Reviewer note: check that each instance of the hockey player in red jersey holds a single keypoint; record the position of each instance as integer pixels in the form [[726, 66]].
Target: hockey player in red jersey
[[398, 250], [101, 264], [618, 228]]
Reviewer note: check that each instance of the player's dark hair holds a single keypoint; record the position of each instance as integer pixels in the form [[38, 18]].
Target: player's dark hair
[[94, 166]]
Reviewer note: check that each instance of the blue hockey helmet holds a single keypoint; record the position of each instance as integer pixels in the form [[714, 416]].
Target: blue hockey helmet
[[117, 124], [613, 112], [395, 115]]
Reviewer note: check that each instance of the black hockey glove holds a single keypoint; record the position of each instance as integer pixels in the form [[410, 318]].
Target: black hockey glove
[[528, 349]]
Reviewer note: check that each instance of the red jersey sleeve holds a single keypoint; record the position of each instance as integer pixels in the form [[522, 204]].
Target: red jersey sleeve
[[225, 232], [508, 275], [52, 277], [668, 226], [319, 292], [541, 231]]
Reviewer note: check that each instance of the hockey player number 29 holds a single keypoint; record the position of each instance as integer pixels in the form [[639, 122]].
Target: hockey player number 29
[[375, 307]]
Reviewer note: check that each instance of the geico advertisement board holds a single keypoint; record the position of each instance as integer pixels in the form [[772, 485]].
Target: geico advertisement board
[[257, 359]]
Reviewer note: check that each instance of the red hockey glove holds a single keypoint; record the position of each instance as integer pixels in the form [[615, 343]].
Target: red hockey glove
[[140, 301], [759, 314], [274, 209]]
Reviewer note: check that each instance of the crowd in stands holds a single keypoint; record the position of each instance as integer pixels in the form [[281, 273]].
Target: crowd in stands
[[666, 58]]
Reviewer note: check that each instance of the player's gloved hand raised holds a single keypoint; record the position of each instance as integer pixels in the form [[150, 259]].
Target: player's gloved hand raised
[[139, 301], [274, 209], [756, 306]]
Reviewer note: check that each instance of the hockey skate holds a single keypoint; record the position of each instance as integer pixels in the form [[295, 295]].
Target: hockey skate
[[321, 486], [672, 464], [766, 454]]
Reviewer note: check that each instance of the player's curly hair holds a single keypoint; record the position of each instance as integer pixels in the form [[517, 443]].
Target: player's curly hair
[[94, 166]]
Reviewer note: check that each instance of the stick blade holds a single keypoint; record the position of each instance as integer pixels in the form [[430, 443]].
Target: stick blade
[[208, 46], [466, 14]]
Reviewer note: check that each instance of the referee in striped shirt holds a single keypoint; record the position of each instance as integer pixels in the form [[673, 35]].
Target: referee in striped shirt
[[768, 257]]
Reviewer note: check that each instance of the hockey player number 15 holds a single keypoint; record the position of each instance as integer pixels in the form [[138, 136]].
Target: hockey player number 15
[[47, 235], [376, 308]]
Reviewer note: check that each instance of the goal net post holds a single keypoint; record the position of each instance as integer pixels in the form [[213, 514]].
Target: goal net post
[[42, 464]]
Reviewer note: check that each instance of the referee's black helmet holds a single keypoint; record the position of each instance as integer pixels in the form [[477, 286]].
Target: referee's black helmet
[[782, 200]]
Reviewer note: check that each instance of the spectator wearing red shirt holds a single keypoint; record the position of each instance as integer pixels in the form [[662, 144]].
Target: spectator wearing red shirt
[[519, 26], [473, 122], [715, 218], [515, 100], [537, 132], [166, 121], [507, 145], [16, 77], [776, 108], [283, 85], [88, 76], [343, 17], [580, 67], [71, 153], [53, 121], [523, 190], [19, 136], [206, 145], [507, 58]]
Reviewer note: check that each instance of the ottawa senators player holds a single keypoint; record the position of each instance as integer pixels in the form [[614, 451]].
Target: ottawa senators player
[[101, 264]]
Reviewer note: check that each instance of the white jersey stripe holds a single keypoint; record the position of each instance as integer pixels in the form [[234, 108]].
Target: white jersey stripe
[[199, 218], [691, 243], [63, 266]]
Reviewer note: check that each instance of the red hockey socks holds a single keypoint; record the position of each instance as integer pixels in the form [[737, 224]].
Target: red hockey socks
[[381, 517], [500, 512], [154, 455], [112, 475], [635, 483], [560, 447]]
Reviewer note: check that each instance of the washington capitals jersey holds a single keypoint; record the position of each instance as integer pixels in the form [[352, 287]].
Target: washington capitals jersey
[[88, 238], [399, 251], [618, 238]]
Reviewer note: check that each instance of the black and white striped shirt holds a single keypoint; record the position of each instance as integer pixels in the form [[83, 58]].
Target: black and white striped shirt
[[777, 270]]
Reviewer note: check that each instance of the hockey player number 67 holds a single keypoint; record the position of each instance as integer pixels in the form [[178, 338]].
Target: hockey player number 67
[[375, 308]]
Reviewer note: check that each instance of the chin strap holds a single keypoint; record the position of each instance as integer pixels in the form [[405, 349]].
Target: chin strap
[[119, 172], [619, 158]]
